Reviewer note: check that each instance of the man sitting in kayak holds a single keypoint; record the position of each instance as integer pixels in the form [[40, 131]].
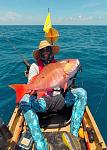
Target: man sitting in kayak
[[51, 101]]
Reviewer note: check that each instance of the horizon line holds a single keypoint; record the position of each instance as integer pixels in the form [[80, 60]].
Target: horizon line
[[54, 25]]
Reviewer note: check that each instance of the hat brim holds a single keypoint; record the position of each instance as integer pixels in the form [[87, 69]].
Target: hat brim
[[55, 50]]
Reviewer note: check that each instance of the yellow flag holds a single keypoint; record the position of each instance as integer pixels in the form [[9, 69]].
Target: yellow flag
[[48, 23]]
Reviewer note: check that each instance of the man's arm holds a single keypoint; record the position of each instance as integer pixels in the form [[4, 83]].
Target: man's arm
[[34, 70]]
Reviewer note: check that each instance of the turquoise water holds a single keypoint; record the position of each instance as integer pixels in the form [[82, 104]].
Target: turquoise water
[[87, 43]]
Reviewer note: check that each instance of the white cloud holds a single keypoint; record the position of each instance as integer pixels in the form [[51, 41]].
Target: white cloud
[[79, 18], [12, 17], [82, 19], [9, 17]]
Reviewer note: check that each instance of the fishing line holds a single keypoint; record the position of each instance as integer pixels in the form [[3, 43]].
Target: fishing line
[[98, 106], [13, 46]]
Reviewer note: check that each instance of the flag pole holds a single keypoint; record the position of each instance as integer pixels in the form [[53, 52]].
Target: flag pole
[[50, 31]]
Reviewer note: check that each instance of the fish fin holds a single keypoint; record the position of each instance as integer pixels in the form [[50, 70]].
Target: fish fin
[[20, 89], [40, 94]]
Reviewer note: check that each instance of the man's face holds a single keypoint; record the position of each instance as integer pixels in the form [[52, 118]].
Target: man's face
[[46, 53]]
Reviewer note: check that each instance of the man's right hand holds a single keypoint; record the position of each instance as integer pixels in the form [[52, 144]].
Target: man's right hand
[[31, 92]]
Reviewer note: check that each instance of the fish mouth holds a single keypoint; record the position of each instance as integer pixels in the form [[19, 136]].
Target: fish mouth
[[77, 62]]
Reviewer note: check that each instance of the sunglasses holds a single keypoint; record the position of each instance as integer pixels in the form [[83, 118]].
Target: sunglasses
[[46, 49]]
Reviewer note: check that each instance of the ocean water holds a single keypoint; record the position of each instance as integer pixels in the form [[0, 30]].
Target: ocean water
[[87, 43]]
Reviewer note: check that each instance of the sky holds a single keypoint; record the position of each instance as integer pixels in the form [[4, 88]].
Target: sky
[[63, 12]]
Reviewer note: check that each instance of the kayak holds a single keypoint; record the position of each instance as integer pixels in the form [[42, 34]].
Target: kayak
[[53, 126], [56, 130]]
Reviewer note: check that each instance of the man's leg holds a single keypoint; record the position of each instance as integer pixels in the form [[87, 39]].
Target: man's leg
[[30, 106], [78, 98]]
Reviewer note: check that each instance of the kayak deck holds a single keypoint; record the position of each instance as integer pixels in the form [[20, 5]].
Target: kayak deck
[[17, 126]]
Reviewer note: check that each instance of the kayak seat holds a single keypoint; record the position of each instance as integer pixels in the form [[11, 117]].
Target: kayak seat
[[55, 119]]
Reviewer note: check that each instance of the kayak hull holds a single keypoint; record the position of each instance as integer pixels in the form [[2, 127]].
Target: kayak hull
[[17, 125]]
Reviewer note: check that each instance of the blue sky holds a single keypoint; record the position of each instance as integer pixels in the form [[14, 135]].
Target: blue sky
[[62, 12]]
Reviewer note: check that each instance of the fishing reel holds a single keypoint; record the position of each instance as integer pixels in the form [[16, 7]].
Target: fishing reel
[[27, 67], [91, 133]]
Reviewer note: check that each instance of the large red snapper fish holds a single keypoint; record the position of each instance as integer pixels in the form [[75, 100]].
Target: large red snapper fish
[[52, 75]]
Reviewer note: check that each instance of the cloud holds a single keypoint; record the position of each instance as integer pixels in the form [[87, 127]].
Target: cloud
[[9, 16], [74, 19], [82, 19], [12, 17]]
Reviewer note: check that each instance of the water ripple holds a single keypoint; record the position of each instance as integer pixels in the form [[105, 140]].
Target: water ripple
[[87, 43]]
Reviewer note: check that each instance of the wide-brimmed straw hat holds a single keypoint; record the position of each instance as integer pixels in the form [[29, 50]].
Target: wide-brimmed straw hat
[[43, 44]]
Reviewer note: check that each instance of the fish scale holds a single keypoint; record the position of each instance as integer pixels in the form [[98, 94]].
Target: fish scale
[[53, 75], [49, 75]]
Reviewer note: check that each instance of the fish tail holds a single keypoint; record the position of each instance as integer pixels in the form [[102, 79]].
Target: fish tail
[[20, 89]]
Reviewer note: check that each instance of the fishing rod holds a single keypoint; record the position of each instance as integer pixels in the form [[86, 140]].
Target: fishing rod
[[25, 61]]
